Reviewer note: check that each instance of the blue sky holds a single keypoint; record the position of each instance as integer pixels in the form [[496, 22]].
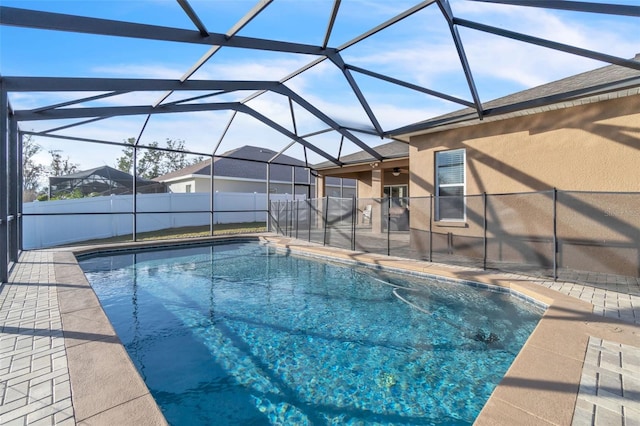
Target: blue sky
[[418, 50]]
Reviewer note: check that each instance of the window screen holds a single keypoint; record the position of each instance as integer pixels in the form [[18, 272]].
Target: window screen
[[450, 185]]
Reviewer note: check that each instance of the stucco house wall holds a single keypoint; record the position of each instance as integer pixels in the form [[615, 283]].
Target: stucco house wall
[[591, 147]]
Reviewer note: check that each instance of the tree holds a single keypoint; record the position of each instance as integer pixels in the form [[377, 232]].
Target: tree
[[125, 163], [154, 162], [32, 172], [61, 166], [150, 164], [174, 160]]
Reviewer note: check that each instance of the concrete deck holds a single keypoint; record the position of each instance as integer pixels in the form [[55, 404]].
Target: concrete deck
[[62, 363]]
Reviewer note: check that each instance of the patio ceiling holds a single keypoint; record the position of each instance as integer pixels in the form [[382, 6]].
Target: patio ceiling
[[372, 93]]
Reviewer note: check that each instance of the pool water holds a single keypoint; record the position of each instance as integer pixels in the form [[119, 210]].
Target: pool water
[[242, 334]]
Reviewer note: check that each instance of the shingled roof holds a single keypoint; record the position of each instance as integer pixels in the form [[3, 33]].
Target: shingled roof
[[255, 168], [391, 150], [597, 85]]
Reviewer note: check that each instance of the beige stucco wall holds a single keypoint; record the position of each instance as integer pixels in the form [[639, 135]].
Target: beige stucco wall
[[593, 147], [365, 188]]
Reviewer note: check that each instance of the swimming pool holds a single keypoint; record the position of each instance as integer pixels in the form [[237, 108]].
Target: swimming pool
[[243, 334]]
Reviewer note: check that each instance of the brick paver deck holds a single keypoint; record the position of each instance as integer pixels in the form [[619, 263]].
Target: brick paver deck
[[610, 385], [35, 387]]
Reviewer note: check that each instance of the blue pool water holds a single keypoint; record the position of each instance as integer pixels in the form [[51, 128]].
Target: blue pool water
[[242, 334]]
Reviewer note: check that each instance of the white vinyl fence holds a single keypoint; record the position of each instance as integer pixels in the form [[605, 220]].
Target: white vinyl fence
[[192, 209]]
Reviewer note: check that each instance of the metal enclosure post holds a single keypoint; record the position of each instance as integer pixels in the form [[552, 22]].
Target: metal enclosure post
[[431, 228], [135, 190], [389, 226], [555, 234], [309, 218], [293, 183], [14, 188], [269, 214], [354, 213], [287, 219], [21, 180], [484, 230], [292, 228], [326, 217], [212, 197], [4, 182], [297, 213]]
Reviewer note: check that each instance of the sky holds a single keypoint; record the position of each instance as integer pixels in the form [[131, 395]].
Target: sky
[[418, 50]]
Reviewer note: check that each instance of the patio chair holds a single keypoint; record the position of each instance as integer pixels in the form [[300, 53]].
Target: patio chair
[[366, 214]]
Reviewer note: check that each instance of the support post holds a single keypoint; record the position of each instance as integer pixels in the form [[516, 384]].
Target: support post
[[354, 213], [555, 234], [269, 214], [431, 228], [293, 182], [20, 195], [286, 218], [290, 217], [309, 202], [4, 182], [297, 213], [326, 217], [134, 234], [14, 184], [389, 226], [212, 197], [484, 231]]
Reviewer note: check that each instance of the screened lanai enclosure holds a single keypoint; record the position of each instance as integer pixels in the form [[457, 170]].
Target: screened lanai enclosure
[[154, 88], [101, 181]]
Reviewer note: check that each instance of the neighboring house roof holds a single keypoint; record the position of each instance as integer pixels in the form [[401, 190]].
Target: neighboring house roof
[[609, 82], [391, 150], [255, 168], [229, 165]]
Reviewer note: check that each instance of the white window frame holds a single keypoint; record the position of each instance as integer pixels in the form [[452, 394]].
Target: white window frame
[[451, 185]]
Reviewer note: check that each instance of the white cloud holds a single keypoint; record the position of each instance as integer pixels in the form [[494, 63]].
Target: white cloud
[[434, 62]]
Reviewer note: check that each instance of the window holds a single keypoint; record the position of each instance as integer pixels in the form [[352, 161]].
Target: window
[[188, 188], [450, 185]]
